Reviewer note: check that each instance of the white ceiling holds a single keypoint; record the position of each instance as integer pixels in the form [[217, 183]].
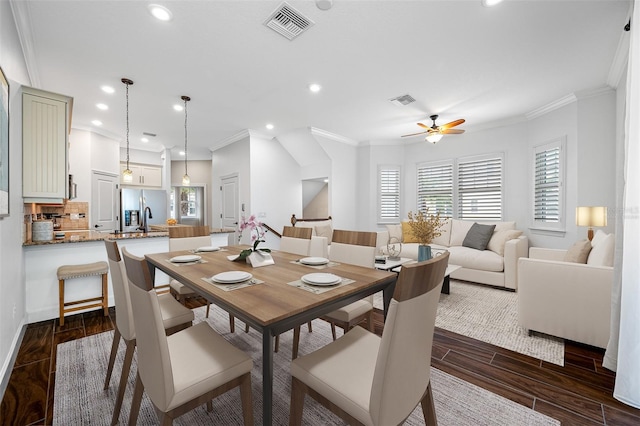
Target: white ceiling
[[456, 58]]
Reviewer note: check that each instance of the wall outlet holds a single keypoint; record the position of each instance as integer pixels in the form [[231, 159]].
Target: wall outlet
[[74, 216]]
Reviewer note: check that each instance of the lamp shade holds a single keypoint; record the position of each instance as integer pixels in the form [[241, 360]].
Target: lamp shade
[[434, 137], [591, 216]]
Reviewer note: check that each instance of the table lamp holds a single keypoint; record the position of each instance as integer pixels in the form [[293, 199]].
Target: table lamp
[[591, 216]]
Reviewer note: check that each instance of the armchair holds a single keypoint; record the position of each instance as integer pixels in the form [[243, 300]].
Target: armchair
[[565, 299]]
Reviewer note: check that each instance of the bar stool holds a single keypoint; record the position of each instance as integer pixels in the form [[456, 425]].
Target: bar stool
[[66, 272]]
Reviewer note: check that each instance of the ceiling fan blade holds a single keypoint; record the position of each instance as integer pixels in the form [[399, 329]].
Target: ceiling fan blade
[[423, 125], [452, 124], [413, 134], [452, 131]]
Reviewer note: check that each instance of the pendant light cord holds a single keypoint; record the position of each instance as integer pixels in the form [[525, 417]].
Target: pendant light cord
[[185, 134], [127, 96]]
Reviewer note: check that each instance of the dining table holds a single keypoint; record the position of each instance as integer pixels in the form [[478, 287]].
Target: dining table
[[275, 299]]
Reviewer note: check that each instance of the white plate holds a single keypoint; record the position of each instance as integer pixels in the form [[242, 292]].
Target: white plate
[[314, 261], [321, 279], [207, 248], [231, 277], [185, 259]]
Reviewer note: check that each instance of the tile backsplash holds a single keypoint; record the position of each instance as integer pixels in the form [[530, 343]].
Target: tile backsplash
[[71, 216]]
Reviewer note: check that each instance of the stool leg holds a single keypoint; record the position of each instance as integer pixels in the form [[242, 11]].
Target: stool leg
[[105, 294], [61, 298]]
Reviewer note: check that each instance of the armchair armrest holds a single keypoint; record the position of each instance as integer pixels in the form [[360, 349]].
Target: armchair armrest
[[514, 250], [564, 299]]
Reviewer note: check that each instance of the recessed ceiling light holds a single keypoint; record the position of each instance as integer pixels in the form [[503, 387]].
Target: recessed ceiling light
[[178, 107], [145, 140], [160, 12], [96, 122], [315, 88], [181, 153], [108, 89], [489, 3], [269, 126], [103, 107]]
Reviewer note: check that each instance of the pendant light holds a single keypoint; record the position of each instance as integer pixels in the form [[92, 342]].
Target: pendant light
[[127, 174], [186, 180]]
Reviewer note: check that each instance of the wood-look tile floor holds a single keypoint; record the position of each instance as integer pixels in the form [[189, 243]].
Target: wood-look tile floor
[[580, 393]]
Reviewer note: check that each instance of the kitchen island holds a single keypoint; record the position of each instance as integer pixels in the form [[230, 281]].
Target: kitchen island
[[42, 259]]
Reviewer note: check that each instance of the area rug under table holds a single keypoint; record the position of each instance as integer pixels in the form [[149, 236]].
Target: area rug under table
[[491, 315], [81, 367]]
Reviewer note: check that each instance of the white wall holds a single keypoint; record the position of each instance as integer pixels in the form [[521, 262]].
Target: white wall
[[226, 161], [12, 302]]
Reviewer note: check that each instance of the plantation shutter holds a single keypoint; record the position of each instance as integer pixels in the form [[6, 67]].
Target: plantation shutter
[[480, 189], [435, 189], [389, 194], [547, 185]]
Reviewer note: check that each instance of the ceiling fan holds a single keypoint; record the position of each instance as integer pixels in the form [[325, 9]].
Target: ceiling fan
[[435, 133]]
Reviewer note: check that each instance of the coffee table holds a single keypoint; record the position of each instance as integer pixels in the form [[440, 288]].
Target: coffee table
[[446, 285], [390, 264]]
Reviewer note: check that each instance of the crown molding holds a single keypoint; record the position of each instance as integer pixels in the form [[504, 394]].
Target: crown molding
[[552, 106], [620, 60], [323, 133], [597, 91], [22, 18]]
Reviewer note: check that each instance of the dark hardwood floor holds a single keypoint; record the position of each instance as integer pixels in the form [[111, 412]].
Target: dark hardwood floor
[[580, 393]]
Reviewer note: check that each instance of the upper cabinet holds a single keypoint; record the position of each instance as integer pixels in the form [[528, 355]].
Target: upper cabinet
[[46, 122], [143, 175]]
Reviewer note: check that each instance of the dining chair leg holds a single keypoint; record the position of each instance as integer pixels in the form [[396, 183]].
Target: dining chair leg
[[370, 321], [296, 342], [136, 400], [246, 328], [309, 327], [208, 307], [429, 408], [232, 323], [112, 356], [124, 376], [276, 346], [246, 399], [333, 331], [209, 406], [297, 402]]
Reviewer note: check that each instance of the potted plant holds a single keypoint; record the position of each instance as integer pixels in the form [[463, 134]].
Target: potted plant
[[257, 236], [425, 227]]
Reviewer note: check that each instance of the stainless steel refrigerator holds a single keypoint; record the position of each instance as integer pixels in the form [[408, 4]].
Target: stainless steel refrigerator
[[134, 202]]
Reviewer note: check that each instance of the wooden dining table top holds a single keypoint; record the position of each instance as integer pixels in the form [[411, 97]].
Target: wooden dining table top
[[274, 299]]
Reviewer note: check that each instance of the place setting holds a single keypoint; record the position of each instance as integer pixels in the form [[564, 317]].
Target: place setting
[[207, 249], [320, 282], [186, 259], [315, 262], [232, 280]]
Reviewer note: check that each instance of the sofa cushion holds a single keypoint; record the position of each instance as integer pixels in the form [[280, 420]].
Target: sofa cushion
[[478, 236], [500, 238], [324, 231], [459, 230], [407, 235], [445, 234], [395, 231], [578, 252], [602, 252], [484, 260]]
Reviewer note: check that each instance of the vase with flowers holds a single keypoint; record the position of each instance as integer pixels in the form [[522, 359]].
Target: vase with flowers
[[425, 227], [257, 233]]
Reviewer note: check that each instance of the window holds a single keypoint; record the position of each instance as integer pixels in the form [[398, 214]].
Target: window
[[467, 188], [480, 188], [548, 190], [435, 188], [389, 194]]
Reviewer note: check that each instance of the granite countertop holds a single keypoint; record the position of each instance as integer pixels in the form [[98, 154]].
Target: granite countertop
[[165, 228], [88, 235]]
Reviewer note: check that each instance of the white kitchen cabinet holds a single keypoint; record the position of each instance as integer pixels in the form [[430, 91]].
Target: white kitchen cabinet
[[46, 122], [143, 175]]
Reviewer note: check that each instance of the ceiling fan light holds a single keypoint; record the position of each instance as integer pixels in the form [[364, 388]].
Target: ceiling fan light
[[434, 138]]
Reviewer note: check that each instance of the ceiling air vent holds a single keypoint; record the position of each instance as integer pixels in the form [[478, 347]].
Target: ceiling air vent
[[288, 22], [402, 100]]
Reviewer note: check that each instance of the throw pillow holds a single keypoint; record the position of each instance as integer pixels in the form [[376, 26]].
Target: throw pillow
[[602, 252], [500, 238], [407, 235], [445, 234], [459, 230], [578, 252], [324, 231], [395, 231], [478, 236], [599, 236]]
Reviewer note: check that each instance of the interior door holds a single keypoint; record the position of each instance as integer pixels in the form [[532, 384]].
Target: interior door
[[104, 202], [230, 207]]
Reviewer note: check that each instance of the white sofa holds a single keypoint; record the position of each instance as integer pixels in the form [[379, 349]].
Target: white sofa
[[496, 266], [567, 299]]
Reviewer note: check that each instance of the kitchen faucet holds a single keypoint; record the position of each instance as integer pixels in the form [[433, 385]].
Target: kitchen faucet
[[144, 227]]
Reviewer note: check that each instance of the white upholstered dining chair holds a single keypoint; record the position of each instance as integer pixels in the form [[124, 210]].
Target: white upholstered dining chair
[[392, 371], [175, 317], [182, 371]]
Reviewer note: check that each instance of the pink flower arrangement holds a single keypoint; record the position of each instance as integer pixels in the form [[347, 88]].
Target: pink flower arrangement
[[257, 235]]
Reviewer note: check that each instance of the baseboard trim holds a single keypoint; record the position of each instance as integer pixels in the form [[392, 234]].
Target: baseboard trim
[[10, 361]]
